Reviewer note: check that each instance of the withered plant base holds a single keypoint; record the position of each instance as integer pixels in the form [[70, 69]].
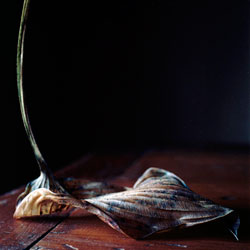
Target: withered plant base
[[158, 201]]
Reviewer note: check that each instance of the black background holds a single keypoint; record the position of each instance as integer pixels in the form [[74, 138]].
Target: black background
[[112, 76]]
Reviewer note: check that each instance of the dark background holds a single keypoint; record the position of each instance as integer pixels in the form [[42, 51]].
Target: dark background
[[118, 76]]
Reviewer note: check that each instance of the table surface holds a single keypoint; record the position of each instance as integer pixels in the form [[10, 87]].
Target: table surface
[[223, 178]]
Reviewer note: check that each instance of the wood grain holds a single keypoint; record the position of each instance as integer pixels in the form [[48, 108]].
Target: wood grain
[[15, 234], [223, 178], [20, 234]]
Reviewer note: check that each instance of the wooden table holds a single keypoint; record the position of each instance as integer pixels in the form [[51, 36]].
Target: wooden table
[[223, 178]]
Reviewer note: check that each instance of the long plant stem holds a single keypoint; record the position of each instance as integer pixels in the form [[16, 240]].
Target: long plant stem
[[20, 52]]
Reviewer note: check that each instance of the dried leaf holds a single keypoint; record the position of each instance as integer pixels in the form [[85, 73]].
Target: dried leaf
[[83, 189], [44, 202], [78, 188], [154, 174], [46, 178], [43, 181], [159, 201]]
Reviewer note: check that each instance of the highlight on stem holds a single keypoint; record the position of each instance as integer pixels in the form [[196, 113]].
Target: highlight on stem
[[46, 178], [158, 201]]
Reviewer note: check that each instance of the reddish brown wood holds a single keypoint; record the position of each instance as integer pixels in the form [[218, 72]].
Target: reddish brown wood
[[223, 178], [20, 234], [101, 167], [17, 234], [87, 232]]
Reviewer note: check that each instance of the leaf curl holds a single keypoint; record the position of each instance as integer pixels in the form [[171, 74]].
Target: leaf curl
[[159, 201], [83, 189], [44, 202]]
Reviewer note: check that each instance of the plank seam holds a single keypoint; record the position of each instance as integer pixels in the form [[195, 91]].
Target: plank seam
[[43, 235]]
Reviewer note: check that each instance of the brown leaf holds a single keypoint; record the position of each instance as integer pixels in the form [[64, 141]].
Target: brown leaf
[[83, 189], [44, 202], [45, 180], [40, 199], [159, 201]]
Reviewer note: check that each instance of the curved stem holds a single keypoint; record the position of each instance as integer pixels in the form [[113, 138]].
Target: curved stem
[[20, 51]]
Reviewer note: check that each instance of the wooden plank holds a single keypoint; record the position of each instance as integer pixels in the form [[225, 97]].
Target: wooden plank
[[20, 234], [101, 167], [82, 231], [222, 178]]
